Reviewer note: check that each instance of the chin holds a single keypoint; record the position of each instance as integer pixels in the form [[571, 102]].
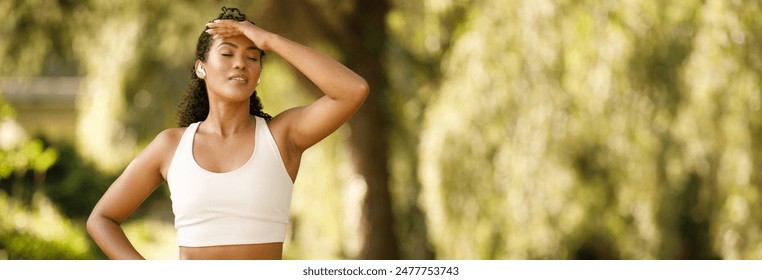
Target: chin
[[241, 92]]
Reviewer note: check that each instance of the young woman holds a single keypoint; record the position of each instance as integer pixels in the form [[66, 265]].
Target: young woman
[[230, 167]]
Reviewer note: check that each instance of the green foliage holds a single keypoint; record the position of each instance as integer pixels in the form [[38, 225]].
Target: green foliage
[[588, 129], [31, 226], [74, 184], [17, 153], [6, 110], [36, 28], [520, 129], [39, 232], [31, 155]]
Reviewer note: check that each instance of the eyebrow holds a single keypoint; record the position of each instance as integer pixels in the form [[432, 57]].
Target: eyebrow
[[252, 47]]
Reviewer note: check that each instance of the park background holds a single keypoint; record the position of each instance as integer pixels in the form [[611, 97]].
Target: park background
[[521, 129]]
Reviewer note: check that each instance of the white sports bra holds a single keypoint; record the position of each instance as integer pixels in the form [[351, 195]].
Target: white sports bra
[[248, 205]]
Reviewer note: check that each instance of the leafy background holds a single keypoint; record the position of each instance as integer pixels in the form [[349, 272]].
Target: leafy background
[[495, 129]]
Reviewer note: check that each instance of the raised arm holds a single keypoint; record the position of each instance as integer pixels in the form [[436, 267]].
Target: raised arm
[[344, 90], [134, 185]]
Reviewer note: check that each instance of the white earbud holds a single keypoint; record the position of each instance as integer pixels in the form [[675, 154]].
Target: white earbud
[[202, 71]]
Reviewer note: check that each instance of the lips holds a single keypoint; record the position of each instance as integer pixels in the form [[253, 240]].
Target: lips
[[239, 78]]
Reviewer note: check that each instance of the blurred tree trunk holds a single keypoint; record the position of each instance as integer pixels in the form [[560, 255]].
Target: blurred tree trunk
[[368, 139], [360, 35]]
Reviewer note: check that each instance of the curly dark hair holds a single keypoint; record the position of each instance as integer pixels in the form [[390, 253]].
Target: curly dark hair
[[194, 104]]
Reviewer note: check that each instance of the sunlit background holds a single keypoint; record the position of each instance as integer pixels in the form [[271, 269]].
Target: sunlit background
[[531, 129]]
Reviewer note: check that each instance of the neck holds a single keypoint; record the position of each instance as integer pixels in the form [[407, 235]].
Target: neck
[[226, 118]]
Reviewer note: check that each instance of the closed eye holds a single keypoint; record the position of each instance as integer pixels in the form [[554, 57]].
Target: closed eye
[[253, 58], [227, 54]]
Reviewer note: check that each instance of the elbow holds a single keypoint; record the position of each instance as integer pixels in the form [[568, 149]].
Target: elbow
[[363, 87], [95, 223], [362, 90], [351, 93], [92, 223]]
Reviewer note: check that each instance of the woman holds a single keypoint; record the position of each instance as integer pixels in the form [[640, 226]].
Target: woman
[[230, 167]]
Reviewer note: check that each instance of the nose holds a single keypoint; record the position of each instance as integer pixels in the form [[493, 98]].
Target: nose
[[240, 62]]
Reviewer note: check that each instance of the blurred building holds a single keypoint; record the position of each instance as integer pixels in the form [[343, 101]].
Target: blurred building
[[44, 105]]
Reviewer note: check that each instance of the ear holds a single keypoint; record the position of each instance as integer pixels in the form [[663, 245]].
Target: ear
[[199, 68]]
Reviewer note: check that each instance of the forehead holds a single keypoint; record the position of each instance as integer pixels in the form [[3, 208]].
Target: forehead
[[239, 41]]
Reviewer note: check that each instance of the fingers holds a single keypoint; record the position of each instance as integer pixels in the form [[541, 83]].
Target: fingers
[[223, 28], [222, 33], [226, 28], [223, 24]]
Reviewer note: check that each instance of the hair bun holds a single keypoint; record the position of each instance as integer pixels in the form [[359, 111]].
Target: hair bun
[[232, 13]]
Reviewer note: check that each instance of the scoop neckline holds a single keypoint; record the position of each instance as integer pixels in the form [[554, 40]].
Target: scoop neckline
[[193, 156]]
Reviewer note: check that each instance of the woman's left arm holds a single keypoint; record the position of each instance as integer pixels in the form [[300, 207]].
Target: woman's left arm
[[344, 90]]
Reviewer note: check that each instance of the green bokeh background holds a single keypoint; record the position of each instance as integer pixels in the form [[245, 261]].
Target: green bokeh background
[[518, 129]]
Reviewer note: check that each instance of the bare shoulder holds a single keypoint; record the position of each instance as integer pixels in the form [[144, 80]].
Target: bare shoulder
[[166, 141], [170, 136], [161, 150]]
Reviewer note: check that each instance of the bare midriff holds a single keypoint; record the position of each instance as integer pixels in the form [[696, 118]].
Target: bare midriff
[[267, 251]]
